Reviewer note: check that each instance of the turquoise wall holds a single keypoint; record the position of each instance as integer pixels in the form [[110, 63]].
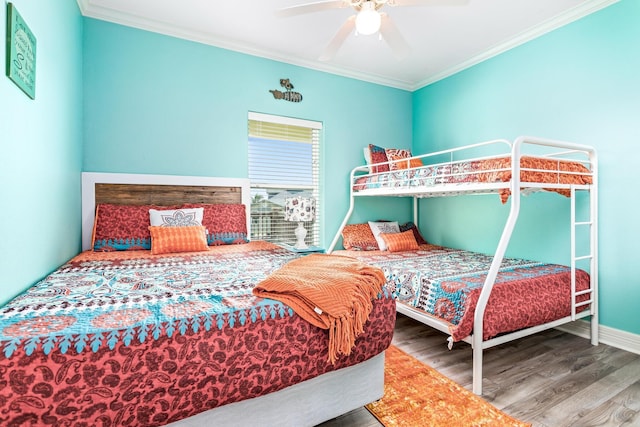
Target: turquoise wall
[[162, 105], [134, 101], [579, 83], [41, 149]]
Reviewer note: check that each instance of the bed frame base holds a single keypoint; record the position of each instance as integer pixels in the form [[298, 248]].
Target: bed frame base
[[504, 338], [305, 404]]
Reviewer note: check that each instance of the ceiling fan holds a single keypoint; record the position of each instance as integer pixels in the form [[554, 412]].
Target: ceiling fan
[[367, 20]]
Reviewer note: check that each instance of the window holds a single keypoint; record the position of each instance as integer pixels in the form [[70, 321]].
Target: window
[[283, 162]]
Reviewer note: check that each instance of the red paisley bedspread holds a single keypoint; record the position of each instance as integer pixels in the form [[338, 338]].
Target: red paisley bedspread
[[132, 370], [445, 283]]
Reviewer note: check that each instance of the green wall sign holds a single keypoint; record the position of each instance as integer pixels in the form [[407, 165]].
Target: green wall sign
[[21, 52]]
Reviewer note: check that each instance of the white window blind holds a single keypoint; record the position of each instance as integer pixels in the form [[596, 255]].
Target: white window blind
[[284, 161]]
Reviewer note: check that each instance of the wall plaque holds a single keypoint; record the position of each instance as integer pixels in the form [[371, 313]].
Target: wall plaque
[[21, 52]]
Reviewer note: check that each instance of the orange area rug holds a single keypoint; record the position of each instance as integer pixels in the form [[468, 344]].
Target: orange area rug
[[417, 395]]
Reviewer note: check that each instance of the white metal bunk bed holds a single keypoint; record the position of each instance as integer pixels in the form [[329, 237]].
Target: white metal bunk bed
[[449, 184]]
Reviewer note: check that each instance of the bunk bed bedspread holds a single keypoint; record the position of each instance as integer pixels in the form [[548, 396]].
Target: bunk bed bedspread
[[130, 338], [445, 283], [491, 170]]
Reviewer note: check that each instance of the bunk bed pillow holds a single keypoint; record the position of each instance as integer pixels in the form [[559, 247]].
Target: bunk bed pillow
[[403, 241], [176, 217], [376, 155], [396, 156], [383, 227], [416, 233], [166, 240], [358, 237]]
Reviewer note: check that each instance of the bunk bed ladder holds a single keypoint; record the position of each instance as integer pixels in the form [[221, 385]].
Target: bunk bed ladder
[[591, 256], [575, 258]]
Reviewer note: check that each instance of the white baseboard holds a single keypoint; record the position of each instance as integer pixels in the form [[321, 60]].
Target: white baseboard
[[610, 336]]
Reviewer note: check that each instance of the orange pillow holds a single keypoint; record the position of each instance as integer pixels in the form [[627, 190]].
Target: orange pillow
[[398, 154], [396, 242], [166, 240], [358, 237]]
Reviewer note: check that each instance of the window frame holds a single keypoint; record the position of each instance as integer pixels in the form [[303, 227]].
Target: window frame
[[285, 231]]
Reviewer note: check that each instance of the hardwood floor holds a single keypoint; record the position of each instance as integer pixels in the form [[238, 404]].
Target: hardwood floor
[[551, 379]]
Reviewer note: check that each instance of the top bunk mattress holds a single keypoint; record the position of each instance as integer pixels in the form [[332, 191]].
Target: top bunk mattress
[[132, 338], [488, 174]]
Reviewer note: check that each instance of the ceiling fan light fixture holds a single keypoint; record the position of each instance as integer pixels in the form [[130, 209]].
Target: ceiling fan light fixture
[[368, 20]]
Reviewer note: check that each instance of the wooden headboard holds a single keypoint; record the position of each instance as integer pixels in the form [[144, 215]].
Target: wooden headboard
[[161, 190]]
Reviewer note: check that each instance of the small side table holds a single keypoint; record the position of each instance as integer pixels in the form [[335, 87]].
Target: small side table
[[309, 250]]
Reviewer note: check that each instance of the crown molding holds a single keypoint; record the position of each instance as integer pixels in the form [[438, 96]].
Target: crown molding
[[92, 11], [586, 8]]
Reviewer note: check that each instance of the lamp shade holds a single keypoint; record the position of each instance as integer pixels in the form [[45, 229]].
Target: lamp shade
[[300, 209]]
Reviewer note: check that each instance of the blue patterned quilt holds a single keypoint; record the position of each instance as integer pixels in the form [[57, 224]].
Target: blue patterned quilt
[[97, 299]]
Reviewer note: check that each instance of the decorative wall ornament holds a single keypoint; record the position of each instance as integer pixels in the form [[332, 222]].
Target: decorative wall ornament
[[21, 52], [288, 94]]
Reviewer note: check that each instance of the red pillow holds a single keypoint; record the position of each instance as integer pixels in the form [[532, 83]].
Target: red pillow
[[378, 155], [226, 224], [122, 227], [358, 237]]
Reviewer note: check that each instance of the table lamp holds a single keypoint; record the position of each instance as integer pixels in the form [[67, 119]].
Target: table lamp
[[300, 209]]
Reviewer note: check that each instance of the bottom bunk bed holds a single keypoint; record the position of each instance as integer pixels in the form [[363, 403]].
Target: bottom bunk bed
[[441, 286], [138, 338]]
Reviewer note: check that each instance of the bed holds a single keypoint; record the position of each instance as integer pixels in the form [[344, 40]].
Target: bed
[[487, 300], [133, 337]]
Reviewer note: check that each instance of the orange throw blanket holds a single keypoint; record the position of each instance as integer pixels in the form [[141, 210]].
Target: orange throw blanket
[[330, 291]]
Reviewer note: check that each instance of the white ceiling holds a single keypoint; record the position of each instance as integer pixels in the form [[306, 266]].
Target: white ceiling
[[442, 40]]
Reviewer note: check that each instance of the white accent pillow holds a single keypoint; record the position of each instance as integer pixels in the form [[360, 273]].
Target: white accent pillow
[[383, 227], [176, 217]]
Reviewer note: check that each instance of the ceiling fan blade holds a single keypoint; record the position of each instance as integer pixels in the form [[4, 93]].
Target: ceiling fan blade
[[312, 7], [394, 39], [428, 2], [339, 38]]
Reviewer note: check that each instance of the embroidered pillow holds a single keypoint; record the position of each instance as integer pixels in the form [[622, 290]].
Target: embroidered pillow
[[358, 237], [176, 217], [403, 241], [122, 227], [377, 155], [383, 227], [398, 154], [226, 224], [166, 240]]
